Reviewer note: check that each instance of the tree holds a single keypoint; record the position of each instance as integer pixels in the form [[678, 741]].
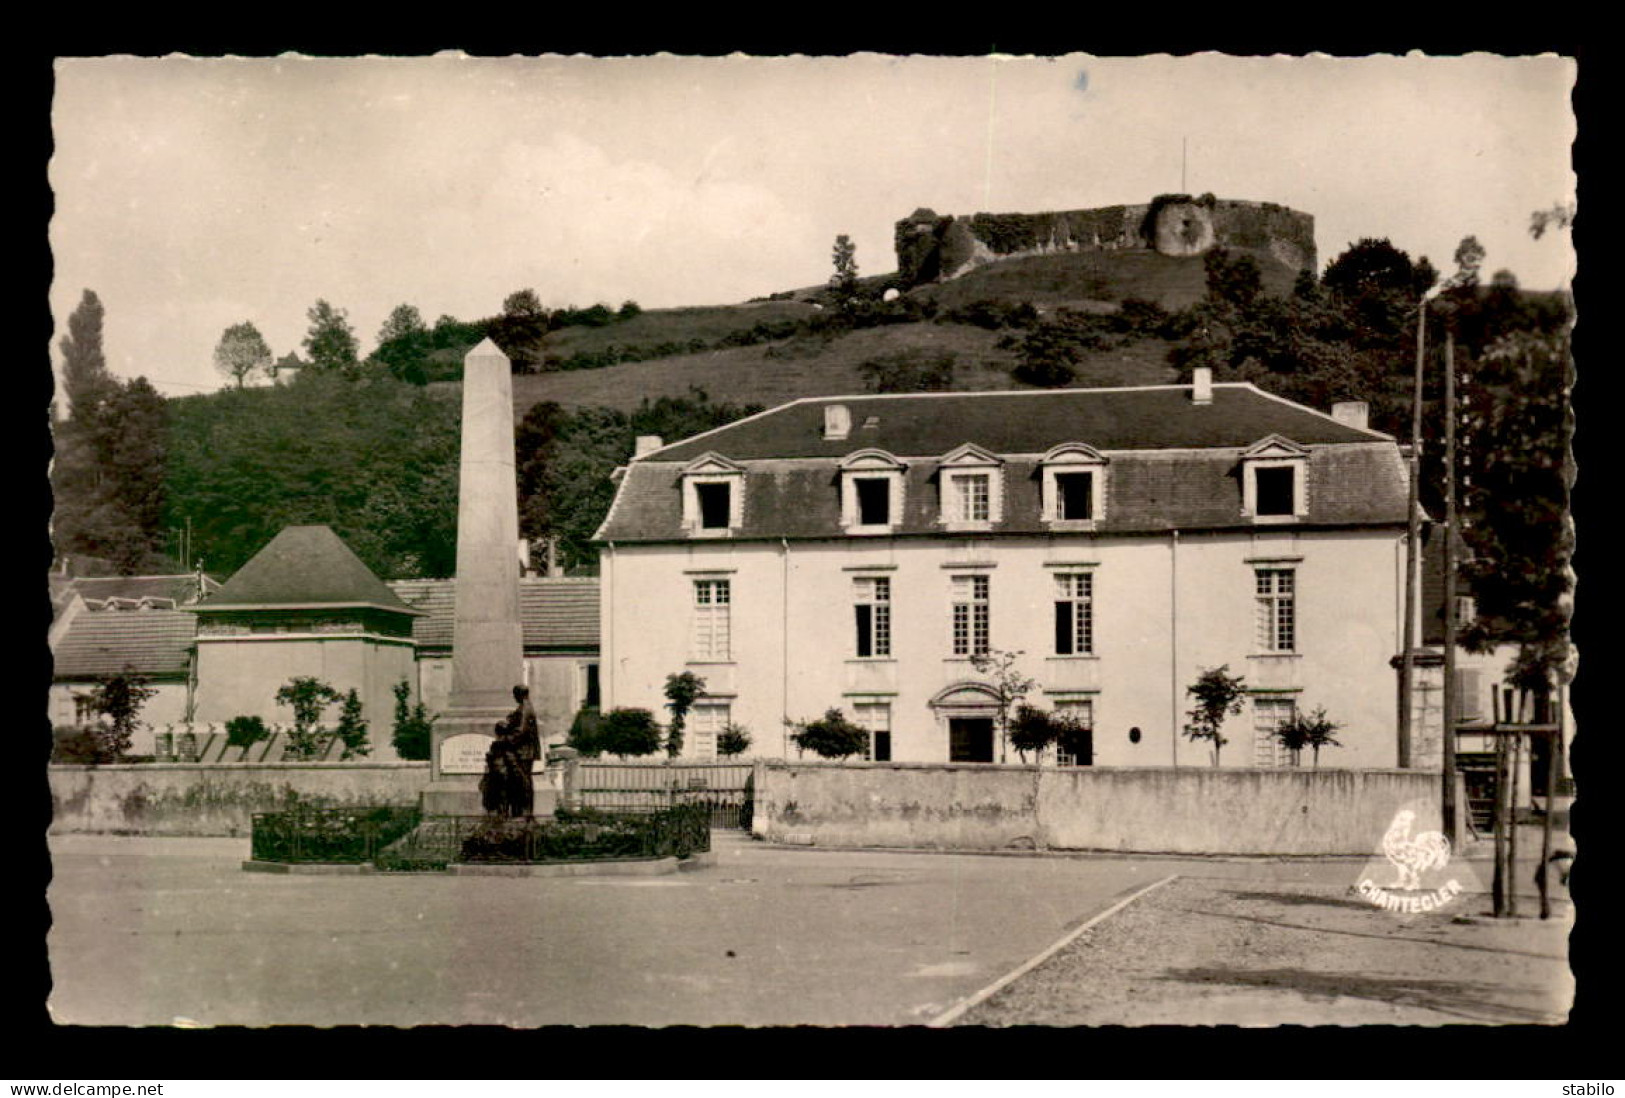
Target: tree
[[404, 343], [308, 697], [119, 698], [1516, 481], [85, 380], [352, 729], [1233, 279], [1033, 730], [1218, 695], [523, 303], [1311, 730], [413, 730], [1009, 685], [242, 353], [1560, 216], [833, 737], [330, 342], [521, 327], [844, 282], [1049, 353], [733, 740], [379, 465], [681, 691]]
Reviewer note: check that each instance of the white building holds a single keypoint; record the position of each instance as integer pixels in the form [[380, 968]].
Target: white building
[[856, 552]]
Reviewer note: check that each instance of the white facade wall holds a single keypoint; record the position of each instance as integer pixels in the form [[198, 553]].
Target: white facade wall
[[240, 675], [1165, 608]]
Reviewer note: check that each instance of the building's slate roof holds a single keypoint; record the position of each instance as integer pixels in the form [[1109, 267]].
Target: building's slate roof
[[1022, 422], [155, 643], [1171, 464], [556, 613], [303, 567]]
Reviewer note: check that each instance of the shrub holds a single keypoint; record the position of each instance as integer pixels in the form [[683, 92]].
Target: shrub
[[733, 740], [246, 731], [833, 737], [76, 746], [909, 371], [584, 732], [1311, 730], [414, 728], [352, 729], [629, 733]]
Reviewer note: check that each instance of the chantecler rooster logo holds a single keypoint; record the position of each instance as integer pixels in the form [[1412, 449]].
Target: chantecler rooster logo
[[1413, 855]]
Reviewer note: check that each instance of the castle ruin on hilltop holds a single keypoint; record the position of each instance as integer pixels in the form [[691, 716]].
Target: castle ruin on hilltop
[[936, 249]]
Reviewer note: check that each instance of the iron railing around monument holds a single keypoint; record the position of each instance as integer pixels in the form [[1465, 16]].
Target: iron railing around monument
[[329, 835], [587, 834]]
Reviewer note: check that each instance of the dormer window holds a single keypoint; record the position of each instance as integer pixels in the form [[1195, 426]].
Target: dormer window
[[716, 505], [1275, 481], [713, 496], [1074, 485], [972, 489], [871, 492]]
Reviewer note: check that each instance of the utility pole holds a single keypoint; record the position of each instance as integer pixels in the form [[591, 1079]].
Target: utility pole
[[1413, 534], [1451, 702]]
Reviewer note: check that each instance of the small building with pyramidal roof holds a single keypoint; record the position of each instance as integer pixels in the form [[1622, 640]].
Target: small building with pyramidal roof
[[305, 605]]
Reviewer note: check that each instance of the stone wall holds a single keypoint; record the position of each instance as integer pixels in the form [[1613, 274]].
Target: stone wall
[[1184, 810], [220, 799], [932, 248]]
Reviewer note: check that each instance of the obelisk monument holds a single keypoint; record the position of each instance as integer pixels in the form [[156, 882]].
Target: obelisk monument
[[487, 654]]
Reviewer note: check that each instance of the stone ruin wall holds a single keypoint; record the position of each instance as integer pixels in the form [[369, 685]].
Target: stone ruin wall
[[936, 249]]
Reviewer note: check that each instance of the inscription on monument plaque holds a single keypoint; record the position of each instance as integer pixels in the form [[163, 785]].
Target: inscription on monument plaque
[[464, 754]]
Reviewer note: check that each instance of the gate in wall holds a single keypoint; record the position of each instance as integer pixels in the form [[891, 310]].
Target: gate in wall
[[725, 787]]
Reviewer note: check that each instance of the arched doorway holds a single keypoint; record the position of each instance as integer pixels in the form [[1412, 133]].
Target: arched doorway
[[967, 714]]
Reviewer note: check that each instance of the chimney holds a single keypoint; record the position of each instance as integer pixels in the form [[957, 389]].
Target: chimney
[[837, 421], [646, 444], [1202, 385], [1352, 413]]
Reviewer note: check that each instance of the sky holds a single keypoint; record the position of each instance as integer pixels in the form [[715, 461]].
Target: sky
[[194, 194]]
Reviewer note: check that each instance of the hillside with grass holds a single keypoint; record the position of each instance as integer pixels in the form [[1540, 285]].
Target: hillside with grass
[[779, 349]]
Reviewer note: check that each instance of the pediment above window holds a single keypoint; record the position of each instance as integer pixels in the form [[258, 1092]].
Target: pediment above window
[[1274, 446], [870, 460], [712, 462], [1275, 480], [966, 692], [1073, 453], [970, 455]]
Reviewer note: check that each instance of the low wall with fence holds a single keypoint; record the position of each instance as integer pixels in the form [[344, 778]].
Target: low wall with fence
[[213, 799], [1184, 810]]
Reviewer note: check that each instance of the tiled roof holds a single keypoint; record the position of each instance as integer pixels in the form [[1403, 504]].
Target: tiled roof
[[149, 642], [304, 567], [1022, 422], [1145, 493], [555, 612], [176, 589]]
